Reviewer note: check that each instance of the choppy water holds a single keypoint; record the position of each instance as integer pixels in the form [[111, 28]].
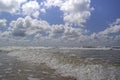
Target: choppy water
[[69, 64], [13, 69]]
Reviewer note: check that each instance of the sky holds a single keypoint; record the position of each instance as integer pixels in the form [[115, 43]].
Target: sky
[[71, 23]]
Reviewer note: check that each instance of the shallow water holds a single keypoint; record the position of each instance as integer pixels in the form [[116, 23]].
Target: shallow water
[[13, 69], [66, 64]]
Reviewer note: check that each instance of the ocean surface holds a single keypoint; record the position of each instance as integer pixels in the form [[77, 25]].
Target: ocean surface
[[59, 64]]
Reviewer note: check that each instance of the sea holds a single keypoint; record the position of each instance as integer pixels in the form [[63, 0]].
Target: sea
[[48, 63]]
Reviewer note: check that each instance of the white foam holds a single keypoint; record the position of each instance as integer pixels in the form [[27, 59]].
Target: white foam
[[80, 72], [30, 78], [9, 48], [8, 69]]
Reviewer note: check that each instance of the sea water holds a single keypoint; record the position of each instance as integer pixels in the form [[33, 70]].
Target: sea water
[[77, 64]]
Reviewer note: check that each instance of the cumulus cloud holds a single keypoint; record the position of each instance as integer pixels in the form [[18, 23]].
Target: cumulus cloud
[[26, 27], [24, 7], [3, 22], [40, 29], [57, 31], [41, 32], [31, 8], [71, 33], [18, 27], [109, 36], [114, 28], [11, 6], [75, 11]]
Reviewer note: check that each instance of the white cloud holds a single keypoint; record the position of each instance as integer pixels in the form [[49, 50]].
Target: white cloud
[[114, 28], [110, 35], [31, 8], [42, 32], [42, 10], [25, 7], [71, 33], [24, 27], [3, 22], [36, 14], [27, 26], [75, 11], [50, 3], [57, 30], [11, 6]]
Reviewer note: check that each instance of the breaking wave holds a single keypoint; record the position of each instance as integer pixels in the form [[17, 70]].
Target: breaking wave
[[67, 63]]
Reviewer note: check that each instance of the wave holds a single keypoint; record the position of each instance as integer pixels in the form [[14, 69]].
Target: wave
[[67, 64]]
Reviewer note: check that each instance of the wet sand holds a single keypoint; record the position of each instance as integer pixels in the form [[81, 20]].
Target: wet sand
[[13, 69]]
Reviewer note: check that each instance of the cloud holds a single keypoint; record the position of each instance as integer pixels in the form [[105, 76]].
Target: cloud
[[109, 36], [24, 27], [57, 30], [24, 7], [3, 22], [71, 33], [11, 6], [18, 27], [114, 28], [75, 11], [40, 32], [19, 32], [31, 8]]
